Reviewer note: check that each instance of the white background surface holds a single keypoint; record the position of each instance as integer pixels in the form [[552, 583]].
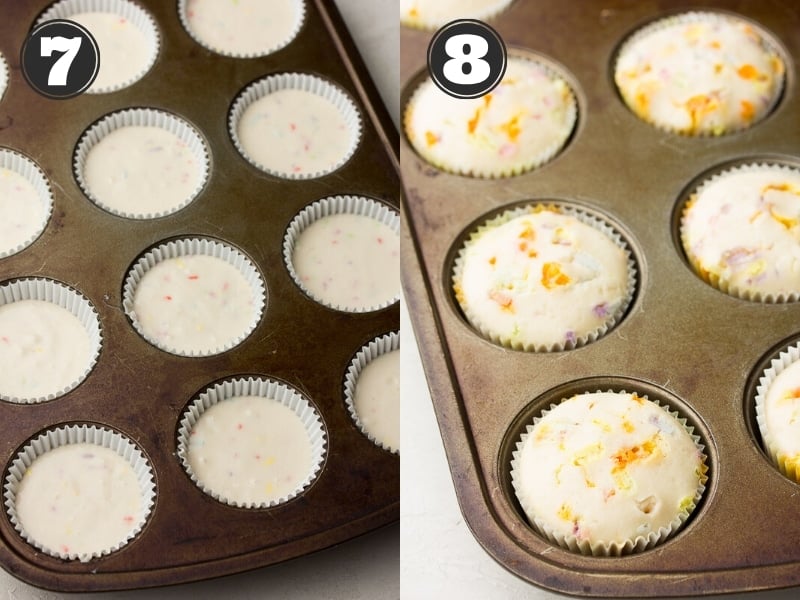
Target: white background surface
[[365, 568]]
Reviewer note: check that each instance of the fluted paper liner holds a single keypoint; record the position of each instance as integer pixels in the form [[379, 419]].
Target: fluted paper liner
[[377, 347], [137, 16], [270, 390], [193, 247], [77, 434], [334, 205], [616, 547], [3, 75], [584, 217], [308, 83], [67, 298], [13, 161], [142, 117], [267, 49]]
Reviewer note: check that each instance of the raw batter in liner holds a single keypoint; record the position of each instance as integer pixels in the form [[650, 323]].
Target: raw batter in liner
[[377, 399], [139, 170], [43, 349], [349, 261], [294, 132], [79, 499], [250, 450], [194, 304], [21, 211], [244, 27]]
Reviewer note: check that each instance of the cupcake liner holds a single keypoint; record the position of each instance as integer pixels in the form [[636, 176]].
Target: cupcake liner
[[704, 17], [143, 117], [3, 75], [303, 82], [25, 167], [137, 16], [584, 217], [787, 465], [77, 434], [602, 548], [192, 247], [410, 15], [301, 16], [531, 161], [61, 295], [377, 347], [266, 388], [355, 205], [714, 279]]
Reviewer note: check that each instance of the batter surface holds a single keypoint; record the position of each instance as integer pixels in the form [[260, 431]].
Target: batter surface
[[377, 399], [21, 212]]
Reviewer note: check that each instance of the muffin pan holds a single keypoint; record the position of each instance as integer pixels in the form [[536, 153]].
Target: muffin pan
[[692, 347], [141, 392]]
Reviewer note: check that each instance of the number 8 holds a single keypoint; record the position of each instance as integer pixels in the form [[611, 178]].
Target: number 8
[[466, 50]]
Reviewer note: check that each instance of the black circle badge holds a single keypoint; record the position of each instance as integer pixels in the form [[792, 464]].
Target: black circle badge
[[467, 58], [60, 59]]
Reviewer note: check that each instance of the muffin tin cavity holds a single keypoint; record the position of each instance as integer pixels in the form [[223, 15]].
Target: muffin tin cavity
[[26, 201], [295, 125], [141, 163], [126, 36], [344, 252], [252, 442], [79, 492]]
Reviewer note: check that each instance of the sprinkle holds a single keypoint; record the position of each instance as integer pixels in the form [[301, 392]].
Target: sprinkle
[[601, 310], [747, 110], [552, 276], [168, 298], [128, 519], [193, 277], [431, 138], [747, 72], [504, 300], [570, 337], [240, 426]]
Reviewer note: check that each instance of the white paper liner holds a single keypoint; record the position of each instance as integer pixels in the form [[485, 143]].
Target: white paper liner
[[334, 205], [377, 347], [137, 16], [786, 358], [61, 295], [296, 81], [425, 21], [3, 75], [533, 161], [584, 217], [77, 434], [714, 280], [301, 17], [271, 390], [142, 117], [704, 17], [614, 548], [193, 247], [25, 167]]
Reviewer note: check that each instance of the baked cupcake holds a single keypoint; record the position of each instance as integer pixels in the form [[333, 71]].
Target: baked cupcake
[[740, 232], [25, 202], [700, 73], [608, 473], [544, 278], [431, 14], [251, 442], [79, 492], [778, 411], [519, 125], [126, 36]]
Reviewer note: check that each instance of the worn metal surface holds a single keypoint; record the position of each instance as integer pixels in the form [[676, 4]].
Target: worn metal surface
[[682, 342], [141, 391]]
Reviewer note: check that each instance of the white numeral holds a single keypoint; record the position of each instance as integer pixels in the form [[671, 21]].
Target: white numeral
[[466, 65], [60, 68]]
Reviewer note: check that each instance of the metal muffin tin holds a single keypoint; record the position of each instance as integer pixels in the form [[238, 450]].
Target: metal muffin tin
[[141, 391], [690, 346]]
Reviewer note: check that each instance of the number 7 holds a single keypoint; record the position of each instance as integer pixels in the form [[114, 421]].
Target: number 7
[[60, 68]]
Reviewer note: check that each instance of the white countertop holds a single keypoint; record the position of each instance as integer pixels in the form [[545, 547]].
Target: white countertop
[[365, 568]]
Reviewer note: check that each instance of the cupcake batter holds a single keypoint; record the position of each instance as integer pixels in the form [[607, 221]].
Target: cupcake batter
[[349, 261], [124, 49], [295, 133], [250, 450], [137, 170], [22, 214], [194, 304], [781, 430], [43, 349], [244, 27], [79, 499], [435, 13], [377, 399]]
